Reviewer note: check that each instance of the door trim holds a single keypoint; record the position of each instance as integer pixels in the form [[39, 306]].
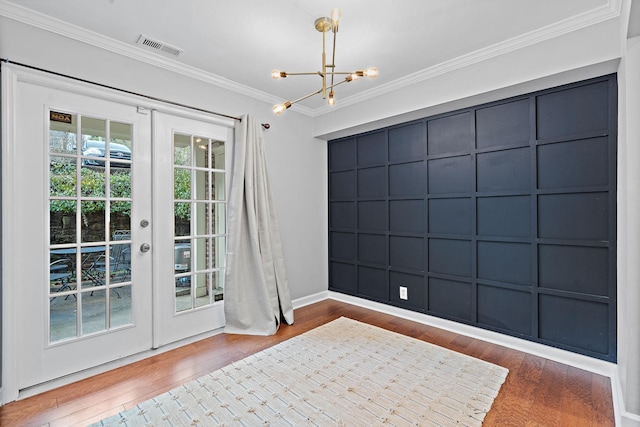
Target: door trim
[[9, 312]]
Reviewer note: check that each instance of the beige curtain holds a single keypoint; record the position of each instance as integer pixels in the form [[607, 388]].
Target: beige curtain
[[256, 292]]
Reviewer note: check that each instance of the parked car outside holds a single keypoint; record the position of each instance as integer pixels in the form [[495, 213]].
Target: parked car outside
[[117, 152]]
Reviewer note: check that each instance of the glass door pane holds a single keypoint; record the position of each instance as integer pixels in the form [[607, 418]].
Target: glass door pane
[[199, 219], [89, 225]]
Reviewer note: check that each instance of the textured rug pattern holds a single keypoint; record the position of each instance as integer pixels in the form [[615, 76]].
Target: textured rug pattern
[[344, 373]]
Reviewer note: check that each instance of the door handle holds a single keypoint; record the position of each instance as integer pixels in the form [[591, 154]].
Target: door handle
[[145, 247]]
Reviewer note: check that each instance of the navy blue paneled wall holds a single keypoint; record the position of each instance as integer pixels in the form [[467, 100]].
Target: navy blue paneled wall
[[500, 216]]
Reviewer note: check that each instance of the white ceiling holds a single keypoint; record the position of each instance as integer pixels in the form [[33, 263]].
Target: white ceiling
[[237, 43]]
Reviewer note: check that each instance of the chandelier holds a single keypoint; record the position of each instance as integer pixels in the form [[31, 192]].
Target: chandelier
[[328, 71]]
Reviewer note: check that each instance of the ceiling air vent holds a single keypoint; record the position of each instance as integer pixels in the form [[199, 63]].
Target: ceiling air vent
[[158, 45]]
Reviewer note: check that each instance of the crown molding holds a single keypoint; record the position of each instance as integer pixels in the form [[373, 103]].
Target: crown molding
[[27, 16], [65, 29], [609, 11]]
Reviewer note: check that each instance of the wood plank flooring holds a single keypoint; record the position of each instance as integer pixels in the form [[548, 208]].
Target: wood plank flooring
[[537, 392]]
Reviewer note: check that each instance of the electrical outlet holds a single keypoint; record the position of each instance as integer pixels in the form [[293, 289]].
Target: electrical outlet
[[403, 292]]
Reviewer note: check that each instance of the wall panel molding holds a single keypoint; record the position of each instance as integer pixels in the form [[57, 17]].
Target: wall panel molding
[[500, 216]]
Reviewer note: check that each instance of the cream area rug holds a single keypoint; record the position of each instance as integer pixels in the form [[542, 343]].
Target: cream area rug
[[344, 373]]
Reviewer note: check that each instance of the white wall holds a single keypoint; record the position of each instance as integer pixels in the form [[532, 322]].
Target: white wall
[[297, 161], [298, 171], [629, 234]]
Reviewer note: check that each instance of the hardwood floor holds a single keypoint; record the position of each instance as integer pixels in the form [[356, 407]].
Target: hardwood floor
[[537, 392]]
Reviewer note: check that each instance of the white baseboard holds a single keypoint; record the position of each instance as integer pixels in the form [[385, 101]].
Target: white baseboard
[[311, 299], [623, 418], [590, 364], [628, 419]]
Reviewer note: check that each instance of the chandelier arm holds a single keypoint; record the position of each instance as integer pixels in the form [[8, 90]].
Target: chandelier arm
[[333, 54], [324, 66], [310, 73], [319, 73], [339, 83], [306, 96]]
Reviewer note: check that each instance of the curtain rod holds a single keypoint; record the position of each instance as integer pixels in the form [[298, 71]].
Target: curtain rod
[[264, 125]]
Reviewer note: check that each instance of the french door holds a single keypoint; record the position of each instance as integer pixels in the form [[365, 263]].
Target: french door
[[114, 228], [190, 181]]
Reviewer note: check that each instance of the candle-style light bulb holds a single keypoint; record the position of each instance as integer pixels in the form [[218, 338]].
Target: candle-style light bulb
[[280, 108], [276, 74], [335, 15], [371, 72]]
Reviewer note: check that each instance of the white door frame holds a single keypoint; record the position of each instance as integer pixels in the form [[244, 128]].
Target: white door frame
[[11, 76]]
